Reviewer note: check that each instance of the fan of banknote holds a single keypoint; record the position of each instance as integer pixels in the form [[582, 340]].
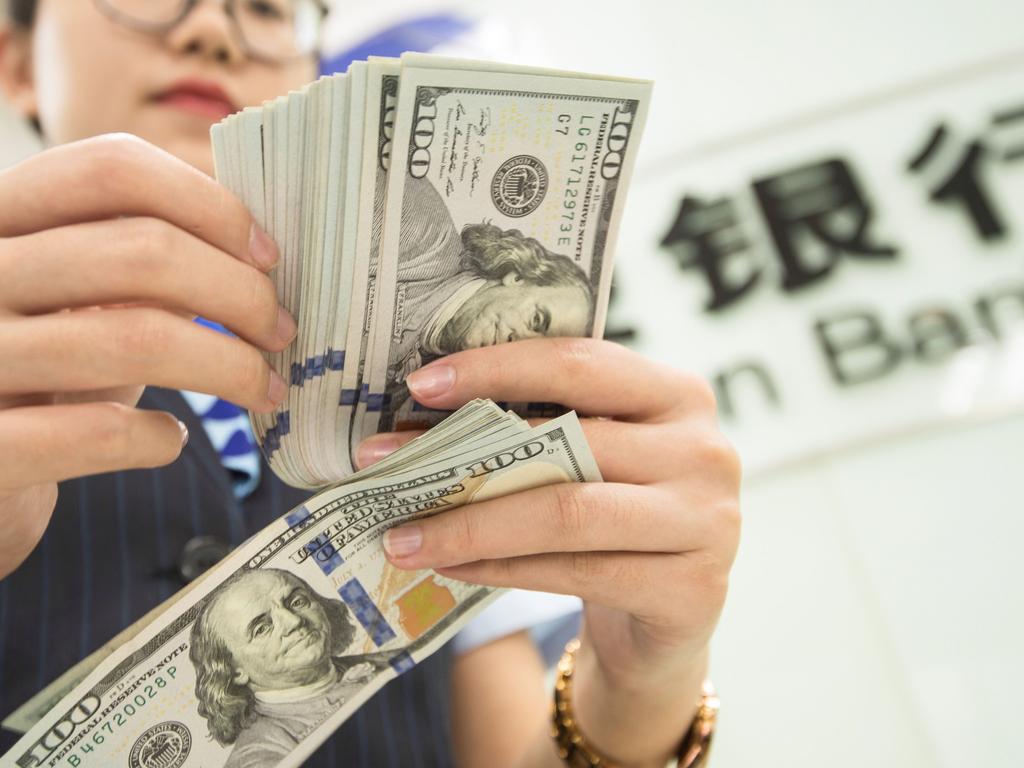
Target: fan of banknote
[[161, 693], [424, 206]]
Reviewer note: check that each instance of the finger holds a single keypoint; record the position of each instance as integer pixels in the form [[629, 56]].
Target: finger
[[565, 517], [627, 581], [625, 452], [140, 261], [127, 395], [596, 378], [120, 175], [53, 443], [377, 447], [99, 349], [628, 452]]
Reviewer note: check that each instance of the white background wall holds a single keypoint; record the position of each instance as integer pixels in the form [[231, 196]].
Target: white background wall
[[876, 611], [16, 139]]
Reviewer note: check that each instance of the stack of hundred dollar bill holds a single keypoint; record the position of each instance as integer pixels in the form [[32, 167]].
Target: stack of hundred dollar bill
[[309, 608], [422, 206]]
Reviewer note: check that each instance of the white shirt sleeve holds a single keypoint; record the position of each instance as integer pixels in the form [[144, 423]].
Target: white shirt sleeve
[[549, 617]]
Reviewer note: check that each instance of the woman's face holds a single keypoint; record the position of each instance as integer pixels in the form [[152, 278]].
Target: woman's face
[[90, 75]]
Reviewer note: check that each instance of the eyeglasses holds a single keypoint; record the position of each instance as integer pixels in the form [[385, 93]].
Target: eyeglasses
[[270, 30]]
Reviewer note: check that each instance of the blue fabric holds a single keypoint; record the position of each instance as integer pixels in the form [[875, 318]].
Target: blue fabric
[[228, 428], [230, 433], [238, 444], [420, 34], [222, 409]]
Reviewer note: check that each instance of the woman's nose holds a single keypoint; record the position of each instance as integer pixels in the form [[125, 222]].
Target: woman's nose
[[208, 32]]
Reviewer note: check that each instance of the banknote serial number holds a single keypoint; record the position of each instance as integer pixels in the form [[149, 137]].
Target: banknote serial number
[[577, 170], [81, 729], [122, 716]]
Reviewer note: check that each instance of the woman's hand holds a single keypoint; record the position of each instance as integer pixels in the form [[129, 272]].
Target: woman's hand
[[649, 550], [108, 248]]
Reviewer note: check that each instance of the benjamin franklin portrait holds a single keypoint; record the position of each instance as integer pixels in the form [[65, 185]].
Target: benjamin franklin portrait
[[269, 654], [479, 286]]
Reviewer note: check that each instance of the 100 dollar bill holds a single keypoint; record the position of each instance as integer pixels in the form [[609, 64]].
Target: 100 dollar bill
[[505, 191], [305, 621]]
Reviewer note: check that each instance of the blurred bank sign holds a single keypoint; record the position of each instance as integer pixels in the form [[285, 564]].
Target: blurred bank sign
[[853, 275]]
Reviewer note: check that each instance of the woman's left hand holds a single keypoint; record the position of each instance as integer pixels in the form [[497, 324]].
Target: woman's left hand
[[649, 550]]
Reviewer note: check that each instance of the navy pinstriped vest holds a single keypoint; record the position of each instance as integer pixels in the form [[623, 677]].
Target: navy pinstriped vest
[[118, 545]]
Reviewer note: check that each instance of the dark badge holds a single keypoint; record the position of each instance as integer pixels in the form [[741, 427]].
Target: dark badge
[[163, 746], [519, 186]]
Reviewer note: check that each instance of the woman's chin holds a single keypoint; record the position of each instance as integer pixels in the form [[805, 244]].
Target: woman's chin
[[191, 146], [197, 154]]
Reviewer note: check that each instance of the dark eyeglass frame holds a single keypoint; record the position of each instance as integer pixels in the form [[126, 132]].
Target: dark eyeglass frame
[[187, 6]]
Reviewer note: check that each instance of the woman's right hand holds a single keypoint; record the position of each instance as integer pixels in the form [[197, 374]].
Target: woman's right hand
[[109, 247]]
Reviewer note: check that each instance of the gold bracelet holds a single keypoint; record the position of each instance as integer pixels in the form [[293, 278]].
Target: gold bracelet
[[573, 748]]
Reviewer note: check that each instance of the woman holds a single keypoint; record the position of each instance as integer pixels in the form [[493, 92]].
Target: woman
[[108, 247]]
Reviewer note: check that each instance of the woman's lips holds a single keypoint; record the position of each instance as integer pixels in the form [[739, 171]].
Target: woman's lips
[[202, 105], [199, 97]]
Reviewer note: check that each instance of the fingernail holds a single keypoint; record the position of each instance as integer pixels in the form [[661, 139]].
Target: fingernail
[[262, 249], [286, 325], [374, 449], [184, 433], [278, 389], [404, 541], [432, 381]]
